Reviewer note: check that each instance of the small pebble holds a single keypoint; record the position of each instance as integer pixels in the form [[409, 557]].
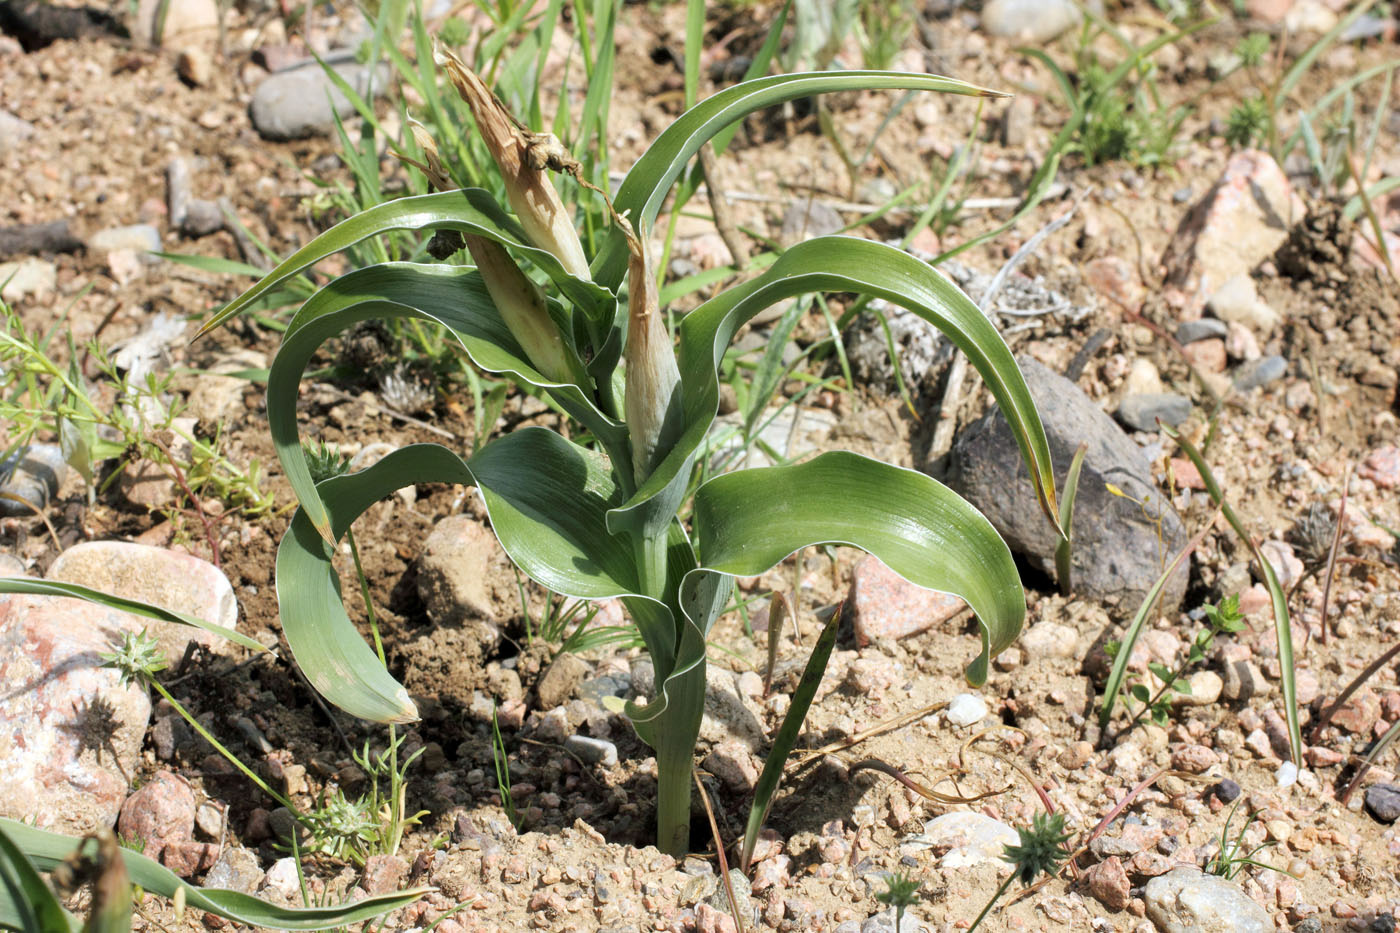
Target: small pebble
[[1383, 802], [594, 751], [1260, 372], [966, 709], [1226, 791], [1202, 329]]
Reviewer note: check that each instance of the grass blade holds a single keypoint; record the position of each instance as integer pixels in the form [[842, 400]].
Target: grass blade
[[48, 849], [767, 787], [1282, 625]]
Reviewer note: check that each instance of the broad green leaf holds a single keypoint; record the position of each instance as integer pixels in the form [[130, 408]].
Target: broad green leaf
[[47, 849], [453, 296], [26, 903], [32, 587], [836, 264], [470, 210], [644, 189], [547, 499], [751, 520]]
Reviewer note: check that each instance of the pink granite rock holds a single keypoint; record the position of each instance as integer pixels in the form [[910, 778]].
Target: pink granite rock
[[885, 605], [178, 582], [70, 733]]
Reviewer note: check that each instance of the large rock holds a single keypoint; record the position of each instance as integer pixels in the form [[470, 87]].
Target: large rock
[[70, 733], [1117, 553], [1187, 900], [1239, 223], [885, 605], [178, 582], [1033, 20], [304, 102]]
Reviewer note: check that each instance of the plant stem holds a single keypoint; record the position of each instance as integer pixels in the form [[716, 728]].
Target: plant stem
[[992, 903], [218, 747]]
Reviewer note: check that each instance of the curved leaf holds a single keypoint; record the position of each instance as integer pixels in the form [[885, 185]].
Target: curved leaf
[[32, 587], [837, 264], [470, 210], [454, 296], [26, 903], [547, 499], [644, 189], [751, 520], [48, 849]]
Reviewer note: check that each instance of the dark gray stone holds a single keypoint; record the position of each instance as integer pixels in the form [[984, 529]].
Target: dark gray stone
[[1260, 372], [1117, 549], [1383, 802], [33, 475], [1227, 791], [303, 102], [1203, 329], [1140, 412]]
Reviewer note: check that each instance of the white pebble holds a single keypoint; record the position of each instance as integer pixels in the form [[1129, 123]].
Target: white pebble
[[1287, 774], [966, 709]]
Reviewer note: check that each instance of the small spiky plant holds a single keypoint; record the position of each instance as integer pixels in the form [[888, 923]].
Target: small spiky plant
[[1041, 852]]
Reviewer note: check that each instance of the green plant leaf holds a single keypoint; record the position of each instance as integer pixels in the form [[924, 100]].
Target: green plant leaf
[[26, 903], [454, 296], [749, 521], [470, 210], [32, 587], [837, 264], [47, 849], [547, 499], [644, 189]]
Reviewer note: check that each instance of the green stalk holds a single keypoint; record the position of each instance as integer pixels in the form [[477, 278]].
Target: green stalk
[[218, 747], [992, 903]]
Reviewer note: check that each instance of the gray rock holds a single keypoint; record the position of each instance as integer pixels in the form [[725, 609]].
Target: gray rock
[[303, 102], [594, 751], [1140, 412], [1186, 900], [1383, 802], [559, 680], [883, 922], [1260, 372], [1032, 20], [1202, 329], [594, 689], [743, 894], [808, 219], [1117, 548], [14, 132], [1017, 122], [236, 869], [33, 474], [70, 731]]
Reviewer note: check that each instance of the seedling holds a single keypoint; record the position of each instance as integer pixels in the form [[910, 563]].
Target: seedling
[[1220, 620], [596, 515], [1233, 855], [1040, 852], [901, 892]]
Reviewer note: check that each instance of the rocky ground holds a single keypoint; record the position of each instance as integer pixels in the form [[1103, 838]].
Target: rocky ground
[[1222, 293]]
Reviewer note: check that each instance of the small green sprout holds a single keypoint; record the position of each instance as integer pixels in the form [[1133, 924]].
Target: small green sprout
[[1041, 852], [137, 658], [1247, 122], [325, 462], [901, 891]]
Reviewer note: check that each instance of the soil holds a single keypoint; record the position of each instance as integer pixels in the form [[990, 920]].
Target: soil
[[109, 116]]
